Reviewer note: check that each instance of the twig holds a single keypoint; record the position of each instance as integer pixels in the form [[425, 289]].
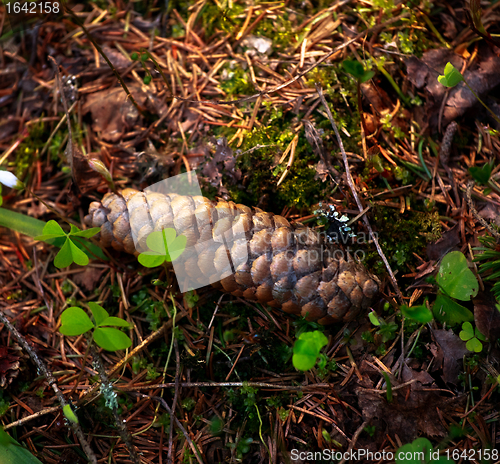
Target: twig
[[355, 193], [75, 427]]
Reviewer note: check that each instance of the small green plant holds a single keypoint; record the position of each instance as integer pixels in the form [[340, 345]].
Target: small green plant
[[75, 322], [482, 174], [241, 447], [472, 336], [387, 330], [420, 451], [306, 350], [164, 246], [69, 252], [453, 77], [455, 280], [356, 69]]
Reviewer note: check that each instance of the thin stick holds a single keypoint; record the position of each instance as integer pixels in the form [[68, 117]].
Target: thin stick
[[355, 193]]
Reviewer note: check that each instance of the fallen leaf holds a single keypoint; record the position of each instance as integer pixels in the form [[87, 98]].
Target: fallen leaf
[[450, 354], [487, 316]]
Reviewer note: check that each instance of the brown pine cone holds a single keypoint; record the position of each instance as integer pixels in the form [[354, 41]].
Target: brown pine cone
[[252, 254]]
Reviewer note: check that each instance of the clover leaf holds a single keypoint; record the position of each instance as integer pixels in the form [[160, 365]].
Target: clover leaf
[[356, 69], [164, 246], [455, 278], [111, 339], [472, 336], [75, 321], [420, 451], [69, 252], [451, 76], [306, 349]]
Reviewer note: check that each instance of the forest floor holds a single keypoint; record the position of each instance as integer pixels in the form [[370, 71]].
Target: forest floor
[[233, 90]]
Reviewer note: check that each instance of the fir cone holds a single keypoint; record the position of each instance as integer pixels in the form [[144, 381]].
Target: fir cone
[[247, 252]]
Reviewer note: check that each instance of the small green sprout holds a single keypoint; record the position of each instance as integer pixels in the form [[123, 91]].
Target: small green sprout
[[482, 174], [453, 77], [307, 350], [472, 336], [70, 414], [69, 252], [356, 69], [387, 330], [75, 322], [420, 452], [164, 246]]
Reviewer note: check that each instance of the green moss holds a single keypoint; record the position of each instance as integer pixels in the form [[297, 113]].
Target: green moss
[[216, 19], [401, 235], [237, 81]]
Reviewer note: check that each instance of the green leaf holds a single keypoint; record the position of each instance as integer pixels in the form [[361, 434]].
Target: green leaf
[[99, 313], [114, 321], [151, 259], [74, 322], [87, 233], [467, 331], [455, 277], [356, 69], [53, 228], [11, 452], [373, 318], [417, 313], [78, 256], [69, 414], [447, 310], [21, 223], [64, 257], [474, 345], [479, 335], [451, 76], [412, 453], [481, 175], [164, 246], [306, 349], [111, 339]]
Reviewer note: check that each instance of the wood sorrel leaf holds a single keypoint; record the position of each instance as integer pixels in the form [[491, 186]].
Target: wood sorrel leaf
[[74, 322]]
